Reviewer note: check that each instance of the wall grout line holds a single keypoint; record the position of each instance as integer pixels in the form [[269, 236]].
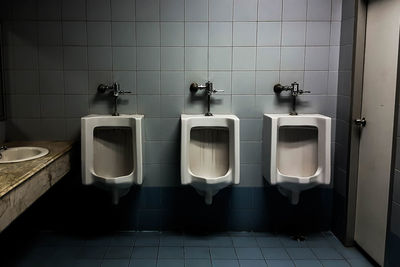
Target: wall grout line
[[256, 57], [232, 55], [257, 72], [136, 58], [281, 41]]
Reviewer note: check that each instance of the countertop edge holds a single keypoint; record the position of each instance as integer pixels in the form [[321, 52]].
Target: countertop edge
[[37, 169]]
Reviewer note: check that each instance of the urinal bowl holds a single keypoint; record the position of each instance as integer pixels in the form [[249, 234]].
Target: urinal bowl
[[117, 186], [291, 187], [296, 152], [210, 153], [112, 152]]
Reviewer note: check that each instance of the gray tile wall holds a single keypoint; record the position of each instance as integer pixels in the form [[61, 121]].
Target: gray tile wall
[[393, 239], [343, 118], [58, 51], [393, 242]]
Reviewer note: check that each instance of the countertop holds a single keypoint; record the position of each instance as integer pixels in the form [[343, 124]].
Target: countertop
[[14, 174]]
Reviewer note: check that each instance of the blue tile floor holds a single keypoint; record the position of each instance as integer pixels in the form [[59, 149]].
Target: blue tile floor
[[156, 249]]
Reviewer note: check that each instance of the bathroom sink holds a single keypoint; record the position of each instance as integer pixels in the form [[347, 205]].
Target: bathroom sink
[[19, 154]]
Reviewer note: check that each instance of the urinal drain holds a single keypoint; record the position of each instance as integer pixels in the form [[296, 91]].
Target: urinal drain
[[298, 237]]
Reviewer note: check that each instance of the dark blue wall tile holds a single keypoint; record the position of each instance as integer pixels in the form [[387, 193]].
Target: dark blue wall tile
[[242, 198], [396, 186], [393, 248], [241, 219], [152, 198], [395, 219], [149, 220], [179, 209]]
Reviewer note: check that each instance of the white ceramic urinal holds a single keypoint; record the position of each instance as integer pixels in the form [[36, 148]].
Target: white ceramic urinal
[[112, 152], [210, 155], [296, 152]]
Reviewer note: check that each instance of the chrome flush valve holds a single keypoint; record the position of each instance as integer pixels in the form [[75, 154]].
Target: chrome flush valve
[[209, 90], [294, 92], [116, 91]]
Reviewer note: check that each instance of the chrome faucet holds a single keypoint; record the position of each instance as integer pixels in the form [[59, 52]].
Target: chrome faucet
[[294, 92], [209, 89], [116, 91], [2, 148]]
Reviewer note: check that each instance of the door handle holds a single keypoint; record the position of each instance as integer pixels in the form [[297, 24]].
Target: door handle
[[360, 122]]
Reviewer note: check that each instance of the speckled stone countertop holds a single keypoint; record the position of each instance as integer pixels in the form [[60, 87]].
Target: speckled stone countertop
[[14, 174]]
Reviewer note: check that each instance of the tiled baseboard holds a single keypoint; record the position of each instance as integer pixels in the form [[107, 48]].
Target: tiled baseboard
[[393, 248], [339, 216], [181, 208]]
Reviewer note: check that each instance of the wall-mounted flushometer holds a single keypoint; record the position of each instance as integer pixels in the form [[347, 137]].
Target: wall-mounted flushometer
[[294, 92], [209, 90], [116, 91]]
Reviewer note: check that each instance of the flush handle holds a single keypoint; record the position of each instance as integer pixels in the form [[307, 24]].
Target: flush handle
[[360, 122]]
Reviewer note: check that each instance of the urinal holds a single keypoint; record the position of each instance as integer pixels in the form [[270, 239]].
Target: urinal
[[210, 155], [296, 152], [112, 152]]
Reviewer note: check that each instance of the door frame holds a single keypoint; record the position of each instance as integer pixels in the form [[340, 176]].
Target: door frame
[[393, 161], [356, 107]]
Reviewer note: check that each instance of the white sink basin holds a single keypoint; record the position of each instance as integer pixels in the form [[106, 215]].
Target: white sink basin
[[24, 153]]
